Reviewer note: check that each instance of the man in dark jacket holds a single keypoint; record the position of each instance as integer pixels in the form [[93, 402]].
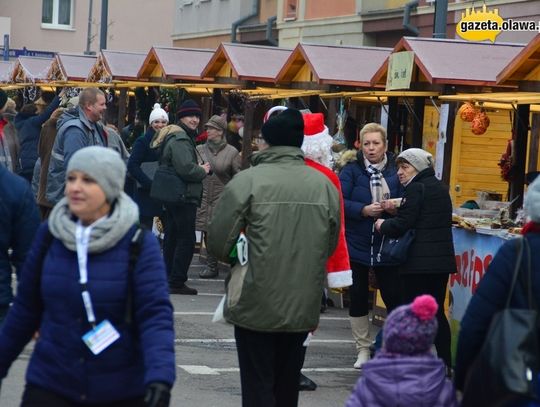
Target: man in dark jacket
[[28, 123], [77, 128], [19, 220], [289, 214], [180, 153]]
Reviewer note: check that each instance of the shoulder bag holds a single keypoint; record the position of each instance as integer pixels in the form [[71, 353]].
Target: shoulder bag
[[505, 372], [167, 186], [396, 250]]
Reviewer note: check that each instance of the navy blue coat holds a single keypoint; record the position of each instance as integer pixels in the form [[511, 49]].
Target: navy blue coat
[[28, 130], [362, 241], [50, 300], [19, 220], [142, 153], [490, 297]]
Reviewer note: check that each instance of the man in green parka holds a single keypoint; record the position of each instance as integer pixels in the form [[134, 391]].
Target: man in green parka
[[290, 215]]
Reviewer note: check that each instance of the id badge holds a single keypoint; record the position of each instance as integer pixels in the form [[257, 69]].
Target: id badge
[[101, 337]]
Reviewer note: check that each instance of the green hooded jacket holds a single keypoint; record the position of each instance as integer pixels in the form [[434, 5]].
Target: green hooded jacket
[[290, 214]]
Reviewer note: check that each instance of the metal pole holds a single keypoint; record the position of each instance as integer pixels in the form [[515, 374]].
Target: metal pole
[[6, 47], [439, 23], [89, 34], [104, 21]]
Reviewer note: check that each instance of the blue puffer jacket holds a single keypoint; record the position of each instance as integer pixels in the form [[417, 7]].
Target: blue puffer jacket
[[19, 220], [142, 153], [362, 241], [28, 130], [50, 300]]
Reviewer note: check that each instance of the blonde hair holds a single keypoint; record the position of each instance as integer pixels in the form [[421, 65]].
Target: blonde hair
[[373, 128]]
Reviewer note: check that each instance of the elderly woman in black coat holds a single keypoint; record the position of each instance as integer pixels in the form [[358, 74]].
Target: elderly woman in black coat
[[427, 208]]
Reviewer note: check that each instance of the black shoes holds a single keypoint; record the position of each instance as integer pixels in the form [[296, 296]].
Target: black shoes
[[306, 384], [182, 290], [209, 273]]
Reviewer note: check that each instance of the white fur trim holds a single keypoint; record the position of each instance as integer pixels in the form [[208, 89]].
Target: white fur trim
[[339, 279], [319, 147]]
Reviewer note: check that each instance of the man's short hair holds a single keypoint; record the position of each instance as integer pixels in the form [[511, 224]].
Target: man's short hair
[[89, 96]]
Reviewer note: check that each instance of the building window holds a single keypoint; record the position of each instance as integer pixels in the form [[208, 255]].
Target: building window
[[290, 9], [57, 13]]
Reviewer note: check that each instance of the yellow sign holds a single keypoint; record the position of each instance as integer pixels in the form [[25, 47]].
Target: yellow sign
[[480, 25], [400, 68]]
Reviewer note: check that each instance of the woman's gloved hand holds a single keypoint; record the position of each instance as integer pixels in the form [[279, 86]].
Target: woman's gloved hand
[[157, 395]]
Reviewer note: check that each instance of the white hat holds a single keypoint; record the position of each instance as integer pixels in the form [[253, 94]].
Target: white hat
[[158, 114], [532, 200]]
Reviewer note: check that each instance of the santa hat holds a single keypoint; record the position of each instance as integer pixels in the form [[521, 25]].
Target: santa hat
[[317, 144]]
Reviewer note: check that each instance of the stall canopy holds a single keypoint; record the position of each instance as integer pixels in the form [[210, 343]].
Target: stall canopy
[[175, 64], [448, 61], [31, 69], [332, 65], [241, 62], [70, 67], [524, 68], [6, 71], [113, 66]]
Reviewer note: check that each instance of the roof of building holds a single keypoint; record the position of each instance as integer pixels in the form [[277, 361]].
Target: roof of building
[[31, 69], [71, 67], [175, 63], [524, 66], [449, 61], [246, 62], [116, 65], [6, 70], [333, 65]]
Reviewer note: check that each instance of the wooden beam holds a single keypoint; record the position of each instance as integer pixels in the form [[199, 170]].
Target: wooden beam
[[535, 143], [418, 121], [247, 151], [122, 108]]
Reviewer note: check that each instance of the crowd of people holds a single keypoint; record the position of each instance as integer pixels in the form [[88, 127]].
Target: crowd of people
[[94, 284]]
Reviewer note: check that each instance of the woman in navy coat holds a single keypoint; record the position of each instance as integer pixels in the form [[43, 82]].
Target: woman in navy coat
[[106, 334], [365, 183]]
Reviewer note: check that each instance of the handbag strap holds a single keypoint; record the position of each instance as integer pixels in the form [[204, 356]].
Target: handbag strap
[[526, 280], [517, 267]]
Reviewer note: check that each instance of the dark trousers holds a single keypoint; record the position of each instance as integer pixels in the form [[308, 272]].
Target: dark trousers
[[413, 285], [388, 281], [270, 364], [35, 396], [179, 242]]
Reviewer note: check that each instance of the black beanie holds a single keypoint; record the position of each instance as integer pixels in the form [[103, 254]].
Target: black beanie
[[188, 108], [3, 99], [285, 129]]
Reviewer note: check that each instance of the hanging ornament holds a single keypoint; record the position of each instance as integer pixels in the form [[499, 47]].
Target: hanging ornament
[[480, 123], [467, 112]]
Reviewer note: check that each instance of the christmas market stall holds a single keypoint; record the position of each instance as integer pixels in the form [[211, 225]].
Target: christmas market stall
[[30, 72], [68, 68]]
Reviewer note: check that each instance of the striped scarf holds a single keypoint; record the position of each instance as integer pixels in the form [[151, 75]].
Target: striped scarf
[[379, 187]]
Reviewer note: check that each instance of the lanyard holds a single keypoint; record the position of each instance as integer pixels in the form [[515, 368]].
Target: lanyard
[[82, 236]]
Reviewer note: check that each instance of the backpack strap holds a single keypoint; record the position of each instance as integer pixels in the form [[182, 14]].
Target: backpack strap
[[134, 251]]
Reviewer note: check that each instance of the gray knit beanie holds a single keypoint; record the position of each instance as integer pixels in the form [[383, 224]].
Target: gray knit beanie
[[102, 164], [532, 201], [418, 158]]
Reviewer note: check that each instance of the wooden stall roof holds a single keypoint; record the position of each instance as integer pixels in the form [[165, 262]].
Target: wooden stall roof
[[6, 70], [184, 64], [31, 69], [525, 66], [457, 62], [246, 62], [512, 98], [71, 67], [332, 65], [116, 65]]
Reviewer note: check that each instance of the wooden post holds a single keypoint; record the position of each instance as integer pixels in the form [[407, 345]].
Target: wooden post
[[393, 124], [448, 146], [247, 151], [122, 108], [521, 129], [418, 121], [206, 109], [216, 100], [535, 143], [331, 119], [314, 104]]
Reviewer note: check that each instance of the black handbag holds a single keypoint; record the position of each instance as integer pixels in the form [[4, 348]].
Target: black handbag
[[167, 186], [396, 250], [505, 372]]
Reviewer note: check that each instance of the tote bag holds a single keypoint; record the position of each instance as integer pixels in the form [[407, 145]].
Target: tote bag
[[505, 372]]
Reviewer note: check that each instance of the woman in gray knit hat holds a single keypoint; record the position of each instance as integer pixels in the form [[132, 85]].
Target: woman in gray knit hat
[[224, 161], [101, 307], [427, 208]]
